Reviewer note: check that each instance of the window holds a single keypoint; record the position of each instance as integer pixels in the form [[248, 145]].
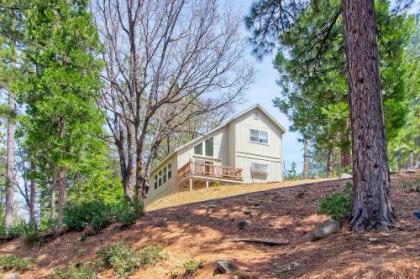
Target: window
[[259, 170], [258, 136], [169, 171], [160, 178], [209, 147], [164, 175], [156, 181], [198, 149]]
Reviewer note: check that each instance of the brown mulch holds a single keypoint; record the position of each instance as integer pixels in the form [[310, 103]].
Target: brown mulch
[[204, 231]]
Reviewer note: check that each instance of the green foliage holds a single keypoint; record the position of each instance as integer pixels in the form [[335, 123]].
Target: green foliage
[[121, 257], [74, 271], [128, 212], [411, 186], [99, 214], [292, 173], [96, 213], [191, 266], [15, 263], [150, 255], [337, 205], [125, 260]]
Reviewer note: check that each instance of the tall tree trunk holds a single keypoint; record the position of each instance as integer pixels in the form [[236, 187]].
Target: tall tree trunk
[[371, 205], [330, 161], [305, 159], [10, 161], [62, 184], [344, 157], [32, 195], [53, 196]]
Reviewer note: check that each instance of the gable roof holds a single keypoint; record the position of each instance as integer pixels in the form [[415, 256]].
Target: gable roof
[[260, 107]]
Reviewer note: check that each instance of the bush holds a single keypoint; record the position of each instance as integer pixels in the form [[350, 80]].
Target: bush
[[125, 260], [337, 205], [31, 234], [150, 255], [78, 216], [15, 263], [128, 212], [74, 271], [100, 214], [120, 257], [411, 186], [191, 266]]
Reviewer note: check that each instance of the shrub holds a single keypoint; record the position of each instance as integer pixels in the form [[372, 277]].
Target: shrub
[[31, 234], [128, 212], [74, 271], [78, 216], [337, 205], [191, 266], [100, 214], [411, 186], [120, 257], [150, 255], [15, 263]]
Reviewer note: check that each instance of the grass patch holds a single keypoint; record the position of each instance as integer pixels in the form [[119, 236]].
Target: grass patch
[[74, 271], [191, 266], [15, 263], [337, 205]]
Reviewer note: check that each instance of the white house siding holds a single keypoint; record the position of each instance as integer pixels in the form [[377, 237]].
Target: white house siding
[[166, 188], [247, 152], [220, 148]]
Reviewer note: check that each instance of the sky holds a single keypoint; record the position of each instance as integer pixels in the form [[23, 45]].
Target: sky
[[263, 91]]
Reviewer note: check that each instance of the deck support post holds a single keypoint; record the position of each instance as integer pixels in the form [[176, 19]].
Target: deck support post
[[207, 184], [191, 184]]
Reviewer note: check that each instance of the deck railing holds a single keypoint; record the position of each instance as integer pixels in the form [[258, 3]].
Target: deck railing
[[205, 169]]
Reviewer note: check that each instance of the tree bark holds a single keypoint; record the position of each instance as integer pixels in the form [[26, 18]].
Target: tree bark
[[62, 194], [305, 159], [10, 161], [330, 161], [32, 195], [53, 197], [371, 205]]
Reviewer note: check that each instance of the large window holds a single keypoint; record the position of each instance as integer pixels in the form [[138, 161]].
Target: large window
[[259, 170], [198, 149], [258, 136], [160, 178], [207, 147]]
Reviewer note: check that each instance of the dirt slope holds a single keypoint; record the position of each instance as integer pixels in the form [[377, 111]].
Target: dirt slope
[[204, 230]]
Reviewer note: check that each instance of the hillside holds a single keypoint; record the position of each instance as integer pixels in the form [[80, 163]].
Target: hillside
[[206, 230]]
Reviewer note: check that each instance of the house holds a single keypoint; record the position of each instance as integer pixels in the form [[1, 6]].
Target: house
[[245, 149]]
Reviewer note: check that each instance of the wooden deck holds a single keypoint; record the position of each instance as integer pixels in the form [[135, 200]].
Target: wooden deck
[[208, 172]]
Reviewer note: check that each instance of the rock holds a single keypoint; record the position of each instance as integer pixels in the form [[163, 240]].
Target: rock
[[12, 276], [373, 239], [326, 229], [211, 205], [242, 224], [232, 219], [345, 176], [417, 214], [223, 267]]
